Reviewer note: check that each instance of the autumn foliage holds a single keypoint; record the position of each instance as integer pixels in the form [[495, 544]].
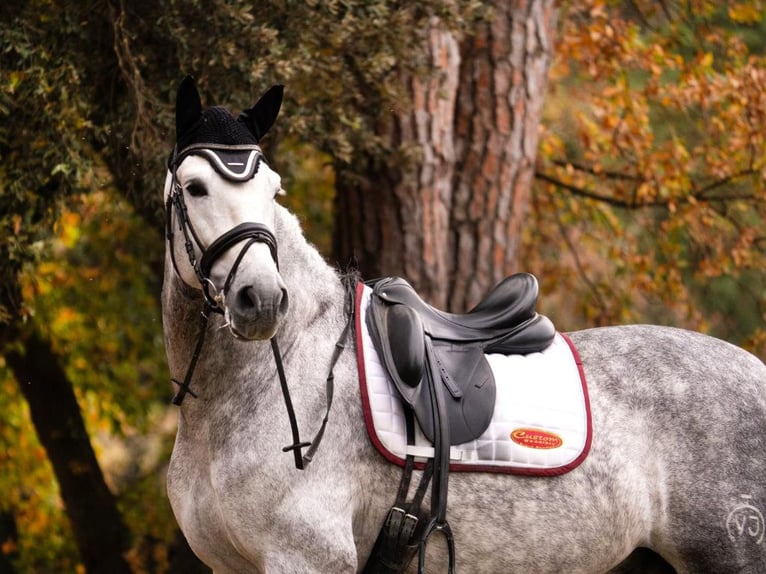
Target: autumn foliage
[[651, 195]]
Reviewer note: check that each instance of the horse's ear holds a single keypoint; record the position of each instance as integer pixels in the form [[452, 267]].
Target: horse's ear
[[261, 116], [188, 106]]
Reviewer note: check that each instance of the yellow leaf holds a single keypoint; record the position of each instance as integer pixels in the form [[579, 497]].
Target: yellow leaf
[[14, 80], [745, 12]]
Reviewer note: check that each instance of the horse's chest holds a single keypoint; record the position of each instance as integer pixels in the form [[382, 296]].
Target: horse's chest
[[222, 503]]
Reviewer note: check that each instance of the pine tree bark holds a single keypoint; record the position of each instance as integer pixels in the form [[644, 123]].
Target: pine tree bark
[[393, 216], [503, 80], [448, 217]]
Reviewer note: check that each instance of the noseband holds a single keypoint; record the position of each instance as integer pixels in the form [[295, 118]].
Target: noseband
[[250, 231]]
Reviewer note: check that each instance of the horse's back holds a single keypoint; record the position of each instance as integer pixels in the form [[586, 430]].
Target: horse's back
[[699, 407]]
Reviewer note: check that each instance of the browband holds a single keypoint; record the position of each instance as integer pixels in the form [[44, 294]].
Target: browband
[[236, 163]]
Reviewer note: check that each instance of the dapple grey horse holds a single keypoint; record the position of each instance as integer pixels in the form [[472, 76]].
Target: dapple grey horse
[[675, 478]]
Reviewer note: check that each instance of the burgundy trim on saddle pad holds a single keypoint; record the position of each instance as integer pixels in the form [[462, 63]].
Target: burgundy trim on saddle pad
[[586, 449], [366, 408], [473, 465]]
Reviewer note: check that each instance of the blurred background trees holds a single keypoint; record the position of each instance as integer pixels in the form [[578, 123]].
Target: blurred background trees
[[652, 163], [615, 149]]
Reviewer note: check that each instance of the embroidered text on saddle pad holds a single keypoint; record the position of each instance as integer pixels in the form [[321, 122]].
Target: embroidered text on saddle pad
[[541, 424]]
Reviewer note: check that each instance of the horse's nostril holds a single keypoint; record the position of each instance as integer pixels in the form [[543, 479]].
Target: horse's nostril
[[246, 298], [248, 301], [283, 304]]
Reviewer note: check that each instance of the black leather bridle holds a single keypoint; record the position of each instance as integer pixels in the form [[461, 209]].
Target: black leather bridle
[[251, 233]]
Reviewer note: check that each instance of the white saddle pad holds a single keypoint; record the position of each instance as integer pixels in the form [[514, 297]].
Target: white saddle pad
[[541, 424]]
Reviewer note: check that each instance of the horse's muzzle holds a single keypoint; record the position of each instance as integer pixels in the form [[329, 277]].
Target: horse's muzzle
[[255, 311]]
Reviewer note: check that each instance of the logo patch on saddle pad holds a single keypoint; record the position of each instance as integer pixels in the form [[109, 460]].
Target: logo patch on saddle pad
[[535, 438], [541, 424]]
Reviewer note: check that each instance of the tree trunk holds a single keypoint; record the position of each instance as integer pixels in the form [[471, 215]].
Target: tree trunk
[[503, 82], [98, 528], [9, 538], [182, 559], [448, 217], [394, 216]]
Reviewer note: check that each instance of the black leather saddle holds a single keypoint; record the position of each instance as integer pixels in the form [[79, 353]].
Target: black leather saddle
[[417, 341], [437, 363]]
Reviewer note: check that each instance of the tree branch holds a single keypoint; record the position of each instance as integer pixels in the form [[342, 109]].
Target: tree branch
[[592, 287], [697, 194], [592, 171], [700, 193], [581, 192]]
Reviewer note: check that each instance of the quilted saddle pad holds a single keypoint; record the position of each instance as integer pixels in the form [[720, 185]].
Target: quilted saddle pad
[[541, 424]]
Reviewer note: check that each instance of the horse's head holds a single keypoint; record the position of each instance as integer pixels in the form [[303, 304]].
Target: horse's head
[[219, 197]]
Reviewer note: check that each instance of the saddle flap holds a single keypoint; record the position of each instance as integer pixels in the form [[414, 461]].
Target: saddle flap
[[460, 371], [469, 411]]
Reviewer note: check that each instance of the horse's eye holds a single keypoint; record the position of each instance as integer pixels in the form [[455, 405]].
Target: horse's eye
[[196, 189]]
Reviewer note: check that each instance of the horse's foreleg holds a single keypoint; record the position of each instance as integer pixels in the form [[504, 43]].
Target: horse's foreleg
[[311, 535]]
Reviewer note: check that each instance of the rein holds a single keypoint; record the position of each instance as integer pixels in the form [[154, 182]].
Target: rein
[[302, 462], [252, 233]]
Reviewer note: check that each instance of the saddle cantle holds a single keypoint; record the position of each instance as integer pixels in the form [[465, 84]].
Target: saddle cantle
[[417, 341]]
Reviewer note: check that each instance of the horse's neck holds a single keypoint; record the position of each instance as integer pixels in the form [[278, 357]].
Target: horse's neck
[[314, 288], [316, 303]]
